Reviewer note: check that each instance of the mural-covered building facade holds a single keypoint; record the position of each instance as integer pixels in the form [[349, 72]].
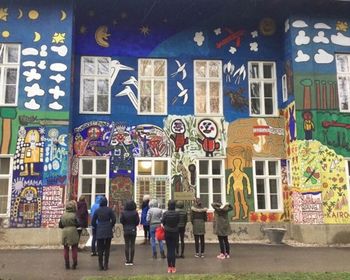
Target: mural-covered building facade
[[228, 102]]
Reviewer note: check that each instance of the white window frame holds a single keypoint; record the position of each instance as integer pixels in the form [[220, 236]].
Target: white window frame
[[267, 187], [208, 80], [347, 170], [343, 75], [284, 88], [94, 77], [93, 176], [9, 178], [152, 176], [210, 178], [261, 81], [152, 78], [4, 65]]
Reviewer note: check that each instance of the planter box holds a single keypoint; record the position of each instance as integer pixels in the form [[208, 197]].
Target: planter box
[[275, 235]]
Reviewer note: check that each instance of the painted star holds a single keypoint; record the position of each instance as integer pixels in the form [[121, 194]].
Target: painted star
[[58, 38], [3, 14], [82, 29], [217, 31], [254, 34], [342, 26], [232, 50], [145, 30]]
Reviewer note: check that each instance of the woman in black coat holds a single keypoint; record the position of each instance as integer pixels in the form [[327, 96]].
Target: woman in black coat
[[103, 220], [129, 219]]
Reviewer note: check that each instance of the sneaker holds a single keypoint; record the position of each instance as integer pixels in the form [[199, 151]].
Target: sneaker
[[131, 264], [202, 255], [170, 269], [221, 256], [173, 270], [93, 254], [227, 256], [197, 255], [126, 263]]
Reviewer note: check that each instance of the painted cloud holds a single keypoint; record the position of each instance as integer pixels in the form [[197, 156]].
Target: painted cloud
[[302, 57], [321, 25], [32, 105], [323, 57], [299, 24], [340, 40], [320, 38], [302, 39], [34, 90], [199, 38], [286, 25]]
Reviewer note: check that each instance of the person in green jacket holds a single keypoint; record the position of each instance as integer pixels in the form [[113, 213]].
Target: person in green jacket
[[70, 236], [222, 227]]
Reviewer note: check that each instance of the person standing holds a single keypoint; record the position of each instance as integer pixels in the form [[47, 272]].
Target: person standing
[[70, 237], [144, 223], [222, 227], [198, 219], [82, 214], [182, 227], [129, 219], [170, 222], [154, 218], [103, 220], [94, 207]]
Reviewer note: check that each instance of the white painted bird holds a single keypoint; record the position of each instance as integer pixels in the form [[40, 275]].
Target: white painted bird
[[132, 81], [127, 91], [181, 68], [228, 70], [115, 67], [183, 92]]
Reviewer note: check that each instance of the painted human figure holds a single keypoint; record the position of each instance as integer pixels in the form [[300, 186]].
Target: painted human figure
[[238, 188], [32, 152], [210, 131], [308, 125], [179, 138]]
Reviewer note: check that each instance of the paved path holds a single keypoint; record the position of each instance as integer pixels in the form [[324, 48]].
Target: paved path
[[49, 264]]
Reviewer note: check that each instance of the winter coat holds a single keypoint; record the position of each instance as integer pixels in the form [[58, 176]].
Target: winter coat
[[130, 218], [182, 214], [154, 214], [198, 219], [82, 214], [145, 208], [171, 218], [221, 224], [103, 220], [69, 223], [95, 206]]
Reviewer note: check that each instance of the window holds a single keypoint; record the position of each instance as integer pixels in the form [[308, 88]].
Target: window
[[153, 178], [208, 87], [343, 77], [95, 85], [347, 170], [262, 89], [152, 86], [93, 178], [6, 162], [9, 73], [267, 187], [211, 181]]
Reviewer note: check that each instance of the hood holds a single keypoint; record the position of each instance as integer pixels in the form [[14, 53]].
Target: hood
[[98, 199], [153, 203], [71, 206], [180, 204], [130, 205], [103, 201], [171, 205]]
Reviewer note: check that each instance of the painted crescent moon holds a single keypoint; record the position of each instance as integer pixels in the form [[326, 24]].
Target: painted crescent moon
[[101, 36], [63, 15], [20, 14], [37, 37]]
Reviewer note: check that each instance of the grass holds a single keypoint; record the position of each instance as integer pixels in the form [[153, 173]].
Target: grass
[[236, 276]]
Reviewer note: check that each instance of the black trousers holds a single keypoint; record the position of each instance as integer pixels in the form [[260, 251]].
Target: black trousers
[[224, 245], [181, 238], [197, 239], [171, 241], [129, 247], [103, 248], [146, 231]]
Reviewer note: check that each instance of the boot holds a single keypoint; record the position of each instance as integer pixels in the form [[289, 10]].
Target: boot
[[75, 263], [106, 263], [100, 262], [162, 255], [154, 255], [67, 265]]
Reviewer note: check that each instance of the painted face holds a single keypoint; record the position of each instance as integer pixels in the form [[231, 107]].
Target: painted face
[[178, 126], [208, 128]]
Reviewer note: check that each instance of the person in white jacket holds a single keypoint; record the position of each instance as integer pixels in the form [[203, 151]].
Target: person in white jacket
[[154, 218]]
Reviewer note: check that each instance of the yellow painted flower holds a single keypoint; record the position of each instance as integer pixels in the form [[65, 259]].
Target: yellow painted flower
[[58, 38], [342, 26]]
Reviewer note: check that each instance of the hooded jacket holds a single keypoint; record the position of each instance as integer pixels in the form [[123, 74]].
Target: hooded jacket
[[171, 218], [182, 214], [103, 220], [145, 208], [82, 214], [95, 205], [130, 218], [221, 224], [154, 214], [69, 224], [198, 219]]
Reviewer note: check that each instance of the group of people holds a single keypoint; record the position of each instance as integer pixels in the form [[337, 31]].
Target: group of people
[[173, 222]]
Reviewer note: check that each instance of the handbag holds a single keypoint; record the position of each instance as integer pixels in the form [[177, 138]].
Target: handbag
[[160, 233]]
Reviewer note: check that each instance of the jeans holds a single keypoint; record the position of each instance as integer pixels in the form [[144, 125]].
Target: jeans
[[93, 241], [224, 245], [103, 247], [171, 241], [181, 238], [198, 238], [153, 239], [129, 247], [74, 253]]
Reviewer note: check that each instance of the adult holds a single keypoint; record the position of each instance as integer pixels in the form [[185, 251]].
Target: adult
[[182, 228], [170, 222], [103, 220], [198, 219], [70, 237], [82, 214], [130, 220], [94, 207], [154, 218], [144, 222]]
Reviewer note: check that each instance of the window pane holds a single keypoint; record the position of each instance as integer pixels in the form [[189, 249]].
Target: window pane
[[205, 200], [87, 166], [160, 193], [272, 167], [255, 106], [343, 63], [216, 167], [261, 202], [12, 53], [203, 185], [144, 167], [344, 92], [88, 66], [200, 69], [101, 166], [200, 97], [217, 198], [273, 186], [3, 205], [159, 96], [10, 95], [88, 104], [254, 89], [203, 167], [254, 70], [160, 167], [273, 202], [102, 86], [214, 97], [259, 168], [268, 89], [145, 94], [100, 186], [87, 199], [268, 107], [143, 189], [267, 68], [4, 166], [4, 186], [260, 186], [86, 185], [214, 69], [217, 185], [11, 76], [159, 68], [103, 66], [146, 67], [102, 103], [88, 87]]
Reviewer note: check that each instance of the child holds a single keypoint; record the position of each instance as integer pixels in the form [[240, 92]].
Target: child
[[198, 219], [145, 208], [222, 227], [70, 236]]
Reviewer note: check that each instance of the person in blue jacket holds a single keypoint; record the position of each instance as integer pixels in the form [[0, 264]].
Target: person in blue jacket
[[92, 211], [144, 222]]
